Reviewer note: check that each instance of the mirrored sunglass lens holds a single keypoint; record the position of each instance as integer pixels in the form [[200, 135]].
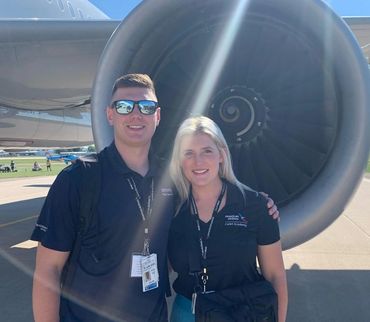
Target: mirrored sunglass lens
[[124, 107], [147, 107]]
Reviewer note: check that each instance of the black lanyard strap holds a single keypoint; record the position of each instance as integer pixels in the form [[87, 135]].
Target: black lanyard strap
[[149, 208], [204, 243]]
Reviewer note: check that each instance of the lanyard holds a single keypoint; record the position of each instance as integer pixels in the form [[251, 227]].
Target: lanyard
[[149, 210], [204, 243]]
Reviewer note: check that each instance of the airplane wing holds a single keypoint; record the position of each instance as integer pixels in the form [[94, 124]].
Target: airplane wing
[[46, 73], [49, 65]]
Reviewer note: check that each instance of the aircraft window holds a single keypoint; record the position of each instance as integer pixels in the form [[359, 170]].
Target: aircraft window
[[61, 5], [80, 13], [73, 14]]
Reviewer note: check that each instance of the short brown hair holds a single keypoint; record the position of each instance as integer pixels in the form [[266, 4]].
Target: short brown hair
[[133, 80]]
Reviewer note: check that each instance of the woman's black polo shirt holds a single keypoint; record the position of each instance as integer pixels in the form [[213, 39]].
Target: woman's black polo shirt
[[103, 279], [238, 229]]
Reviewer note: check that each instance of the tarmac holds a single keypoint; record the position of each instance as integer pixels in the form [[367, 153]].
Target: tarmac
[[328, 276]]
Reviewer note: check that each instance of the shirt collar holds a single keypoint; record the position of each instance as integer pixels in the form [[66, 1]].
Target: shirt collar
[[120, 165]]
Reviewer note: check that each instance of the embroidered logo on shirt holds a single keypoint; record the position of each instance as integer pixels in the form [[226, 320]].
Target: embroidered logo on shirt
[[42, 227], [166, 192], [237, 220]]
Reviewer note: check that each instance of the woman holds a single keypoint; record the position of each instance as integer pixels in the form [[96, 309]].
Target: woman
[[221, 225]]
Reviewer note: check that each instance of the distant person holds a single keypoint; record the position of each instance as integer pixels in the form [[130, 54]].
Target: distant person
[[48, 165], [12, 166], [36, 166]]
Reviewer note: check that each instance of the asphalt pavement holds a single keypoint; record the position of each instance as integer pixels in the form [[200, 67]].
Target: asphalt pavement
[[328, 276]]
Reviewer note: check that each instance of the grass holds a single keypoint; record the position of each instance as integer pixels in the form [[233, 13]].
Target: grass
[[24, 165]]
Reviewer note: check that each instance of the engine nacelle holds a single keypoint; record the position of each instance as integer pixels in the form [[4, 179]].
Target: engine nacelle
[[285, 80]]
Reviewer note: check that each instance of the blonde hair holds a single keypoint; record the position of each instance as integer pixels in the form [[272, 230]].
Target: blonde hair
[[201, 125]]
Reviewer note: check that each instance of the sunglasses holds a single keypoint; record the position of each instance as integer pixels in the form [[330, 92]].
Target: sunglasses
[[125, 107]]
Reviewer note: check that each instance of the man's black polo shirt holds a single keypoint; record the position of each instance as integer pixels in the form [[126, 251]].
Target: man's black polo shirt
[[103, 278], [237, 230]]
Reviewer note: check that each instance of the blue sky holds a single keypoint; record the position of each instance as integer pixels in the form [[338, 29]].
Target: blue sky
[[117, 9]]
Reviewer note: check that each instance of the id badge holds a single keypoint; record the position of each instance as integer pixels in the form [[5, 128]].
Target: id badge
[[136, 265], [149, 271]]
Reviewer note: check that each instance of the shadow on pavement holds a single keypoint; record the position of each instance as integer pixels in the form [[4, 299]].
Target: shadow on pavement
[[328, 295], [19, 210]]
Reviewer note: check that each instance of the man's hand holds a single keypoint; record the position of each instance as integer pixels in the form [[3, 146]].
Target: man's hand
[[273, 211]]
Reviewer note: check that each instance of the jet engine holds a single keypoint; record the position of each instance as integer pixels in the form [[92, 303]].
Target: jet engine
[[285, 80]]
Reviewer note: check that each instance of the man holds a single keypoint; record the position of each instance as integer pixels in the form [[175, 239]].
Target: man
[[48, 165], [113, 281]]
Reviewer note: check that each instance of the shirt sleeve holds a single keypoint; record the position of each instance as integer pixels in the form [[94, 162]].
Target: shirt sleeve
[[268, 227], [57, 224]]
